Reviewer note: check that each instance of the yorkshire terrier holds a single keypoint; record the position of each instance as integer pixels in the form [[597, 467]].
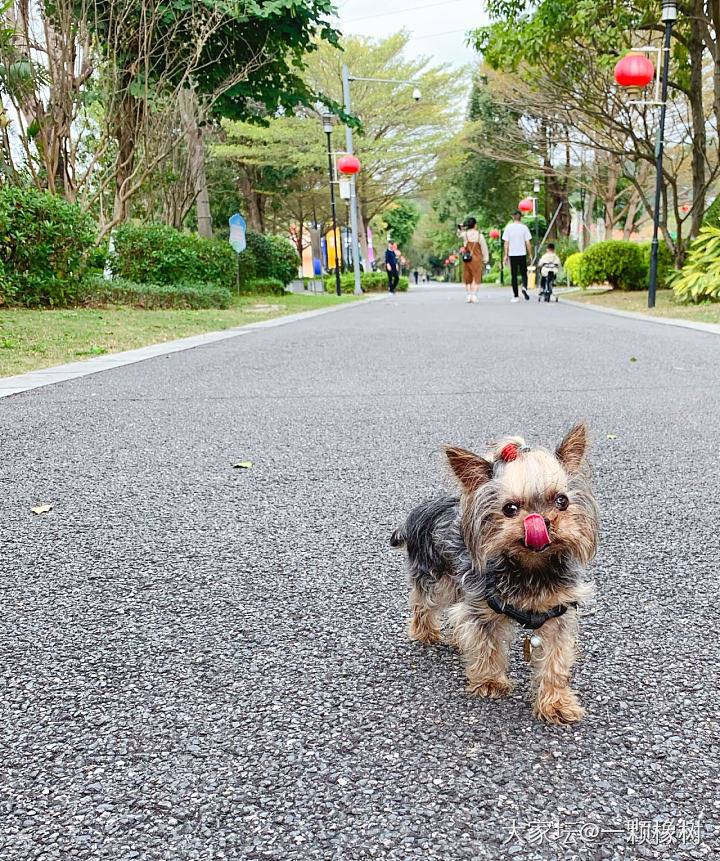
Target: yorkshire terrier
[[510, 548]]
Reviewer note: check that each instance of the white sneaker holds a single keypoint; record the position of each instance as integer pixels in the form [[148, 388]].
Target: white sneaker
[[474, 298], [515, 299], [468, 298]]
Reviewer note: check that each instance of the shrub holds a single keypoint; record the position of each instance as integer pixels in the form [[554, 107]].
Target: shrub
[[44, 244], [699, 280], [666, 264], [370, 282], [572, 266], [285, 259], [264, 285], [120, 291], [617, 262], [159, 254], [262, 250], [529, 220], [247, 264]]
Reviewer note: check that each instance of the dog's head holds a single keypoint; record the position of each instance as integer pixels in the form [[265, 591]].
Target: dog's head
[[528, 503]]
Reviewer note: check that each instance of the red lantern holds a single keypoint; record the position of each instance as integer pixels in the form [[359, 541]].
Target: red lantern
[[525, 205], [348, 164], [494, 233], [634, 72], [685, 207]]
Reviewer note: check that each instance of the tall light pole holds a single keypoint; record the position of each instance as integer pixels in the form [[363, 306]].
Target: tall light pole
[[634, 71], [327, 128], [536, 192], [669, 15], [346, 79]]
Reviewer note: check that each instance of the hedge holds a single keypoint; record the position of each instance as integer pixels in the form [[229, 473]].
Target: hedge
[[264, 285], [44, 245], [285, 259], [572, 266], [159, 254], [120, 291], [615, 261], [666, 264], [370, 282]]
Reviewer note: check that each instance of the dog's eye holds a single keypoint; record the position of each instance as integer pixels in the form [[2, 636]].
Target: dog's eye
[[561, 502], [510, 509]]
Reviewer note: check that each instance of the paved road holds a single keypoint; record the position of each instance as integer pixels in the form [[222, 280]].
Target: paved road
[[200, 662]]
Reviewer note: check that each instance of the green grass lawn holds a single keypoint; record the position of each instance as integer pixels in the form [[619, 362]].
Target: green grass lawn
[[665, 305], [40, 339]]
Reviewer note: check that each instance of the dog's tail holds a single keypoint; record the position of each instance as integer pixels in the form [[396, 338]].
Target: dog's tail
[[398, 538]]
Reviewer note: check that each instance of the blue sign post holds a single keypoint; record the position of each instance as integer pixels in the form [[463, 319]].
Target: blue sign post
[[237, 239]]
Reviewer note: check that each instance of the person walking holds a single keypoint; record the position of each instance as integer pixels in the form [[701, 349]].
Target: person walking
[[391, 265], [517, 248], [474, 256]]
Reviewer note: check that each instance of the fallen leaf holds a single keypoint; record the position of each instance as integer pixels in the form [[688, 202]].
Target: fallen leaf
[[243, 464], [41, 509], [633, 359], [611, 436]]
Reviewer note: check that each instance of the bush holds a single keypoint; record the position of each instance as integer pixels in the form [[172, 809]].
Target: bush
[[529, 220], [370, 282], [285, 259], [44, 245], [120, 291], [617, 262], [712, 214], [572, 267], [159, 254], [699, 281], [264, 286], [262, 250], [666, 264], [247, 265]]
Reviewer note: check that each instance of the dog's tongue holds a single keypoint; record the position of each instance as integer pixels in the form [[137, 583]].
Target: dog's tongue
[[536, 534]]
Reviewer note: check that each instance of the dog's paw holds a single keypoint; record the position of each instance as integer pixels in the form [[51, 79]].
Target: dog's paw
[[559, 707], [494, 689], [423, 633]]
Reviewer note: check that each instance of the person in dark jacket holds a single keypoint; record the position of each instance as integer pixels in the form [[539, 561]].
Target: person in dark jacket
[[391, 265]]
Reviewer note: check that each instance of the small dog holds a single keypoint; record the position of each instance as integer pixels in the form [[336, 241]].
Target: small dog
[[510, 548]]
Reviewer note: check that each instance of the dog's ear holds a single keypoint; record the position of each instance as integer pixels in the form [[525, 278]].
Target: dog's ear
[[571, 450], [471, 470]]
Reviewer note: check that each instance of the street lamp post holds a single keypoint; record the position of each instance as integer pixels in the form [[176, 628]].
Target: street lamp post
[[346, 79], [327, 128], [669, 15], [536, 191]]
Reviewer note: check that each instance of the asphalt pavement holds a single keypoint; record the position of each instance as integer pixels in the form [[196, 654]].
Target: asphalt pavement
[[206, 662]]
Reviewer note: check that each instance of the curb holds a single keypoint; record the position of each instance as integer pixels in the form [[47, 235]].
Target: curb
[[711, 328], [74, 370]]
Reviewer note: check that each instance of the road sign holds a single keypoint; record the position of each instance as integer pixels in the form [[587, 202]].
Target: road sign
[[237, 232]]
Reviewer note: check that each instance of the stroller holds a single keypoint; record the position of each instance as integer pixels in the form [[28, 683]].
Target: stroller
[[548, 276]]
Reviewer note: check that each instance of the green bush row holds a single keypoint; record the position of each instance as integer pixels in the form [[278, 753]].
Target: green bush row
[[370, 282], [264, 286], [160, 254], [623, 265], [121, 291]]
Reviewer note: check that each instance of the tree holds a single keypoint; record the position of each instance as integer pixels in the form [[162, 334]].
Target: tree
[[564, 51], [400, 219]]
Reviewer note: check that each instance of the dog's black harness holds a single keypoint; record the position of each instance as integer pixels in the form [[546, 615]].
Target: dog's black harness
[[527, 619]]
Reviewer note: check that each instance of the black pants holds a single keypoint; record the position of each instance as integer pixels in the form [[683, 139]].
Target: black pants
[[518, 266], [393, 279]]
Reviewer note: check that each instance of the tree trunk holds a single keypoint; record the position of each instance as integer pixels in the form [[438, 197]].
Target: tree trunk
[[189, 114], [125, 161], [253, 203], [699, 135]]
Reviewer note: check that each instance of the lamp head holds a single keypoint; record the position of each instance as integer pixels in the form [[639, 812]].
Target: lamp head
[[669, 10], [416, 94], [327, 121], [536, 186]]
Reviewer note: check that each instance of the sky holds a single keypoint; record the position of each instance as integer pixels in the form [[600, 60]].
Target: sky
[[438, 27]]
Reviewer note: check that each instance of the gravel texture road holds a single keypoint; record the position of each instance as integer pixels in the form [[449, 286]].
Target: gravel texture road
[[202, 662]]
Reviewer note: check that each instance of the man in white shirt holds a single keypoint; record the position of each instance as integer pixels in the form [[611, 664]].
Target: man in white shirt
[[517, 247]]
